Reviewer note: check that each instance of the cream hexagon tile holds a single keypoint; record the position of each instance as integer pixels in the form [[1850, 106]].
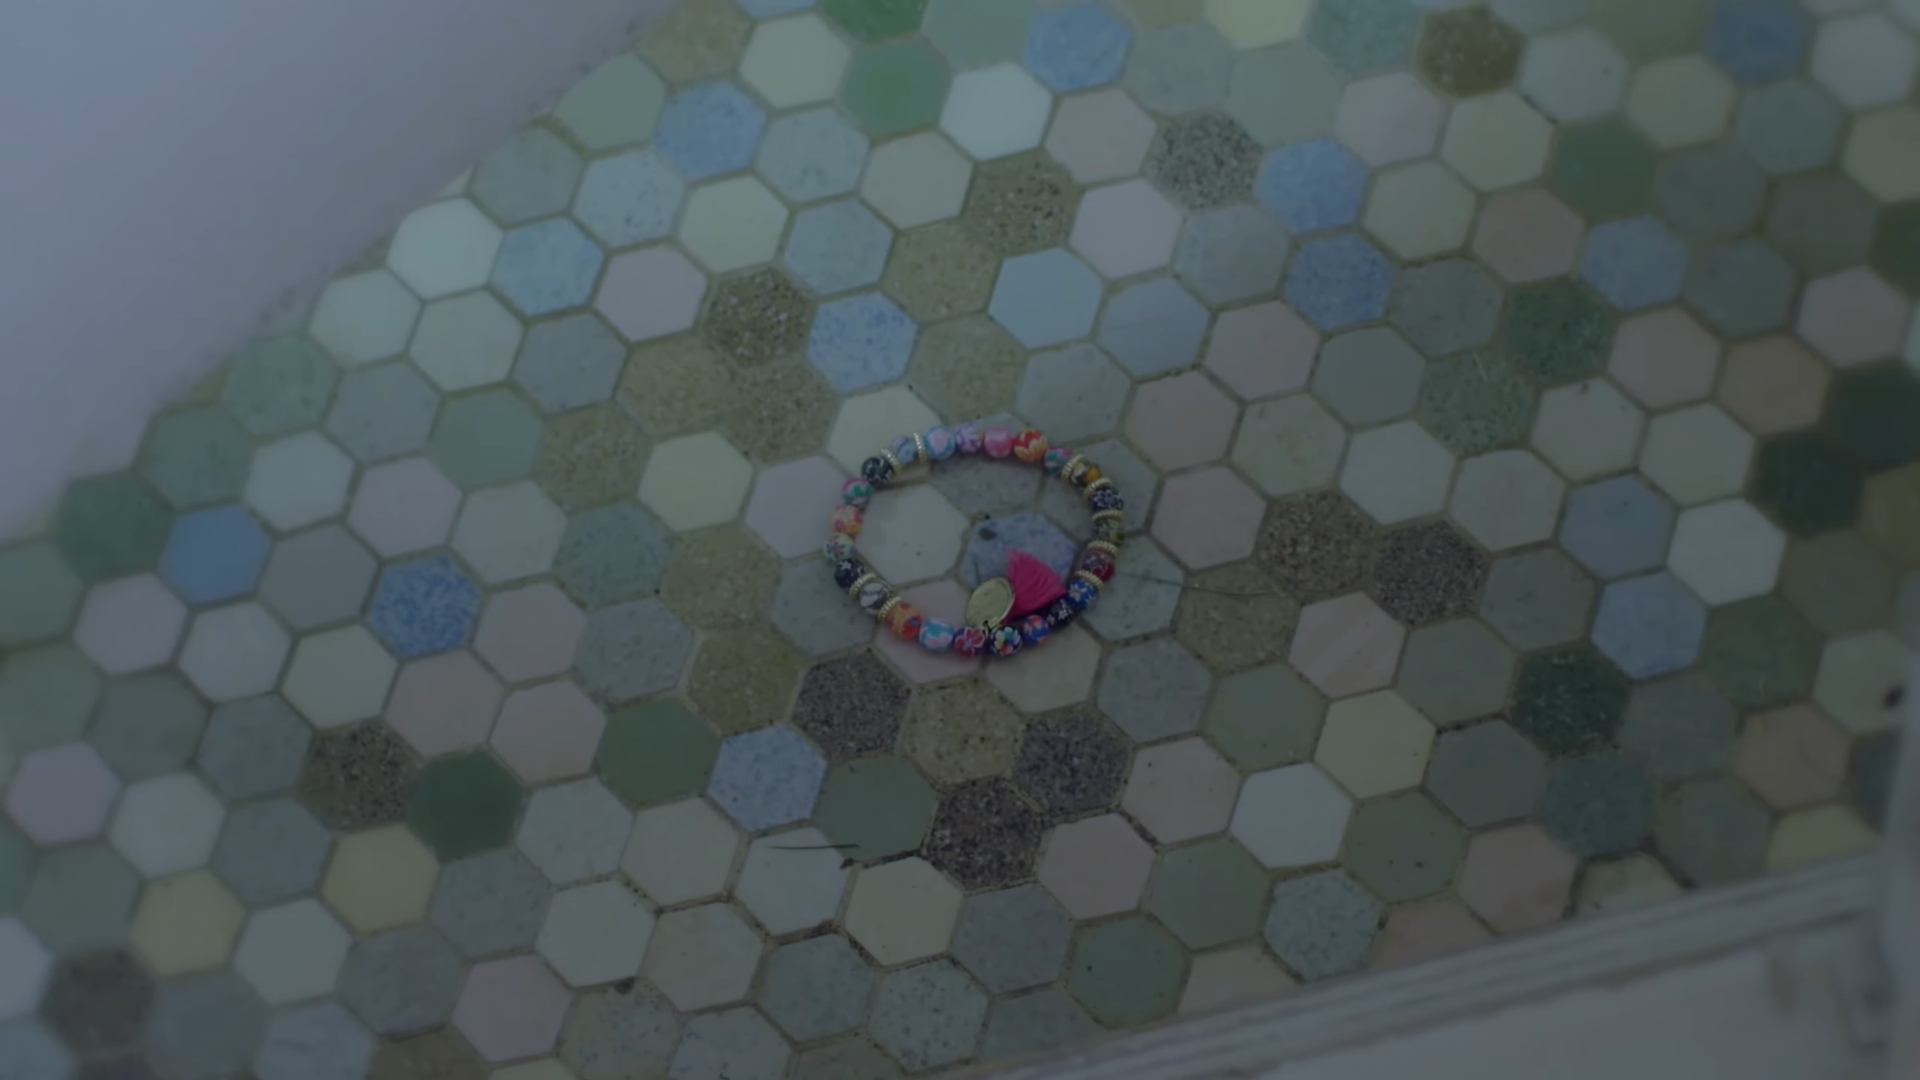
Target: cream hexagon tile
[[1181, 790], [1664, 358], [947, 601], [1100, 136], [1291, 816], [1208, 518], [1496, 141], [867, 424], [166, 824], [733, 224], [24, 966], [1419, 210], [380, 879], [404, 506], [1879, 153], [1397, 473], [234, 652], [292, 952], [1288, 444], [595, 933], [1857, 680], [129, 625], [466, 341], [680, 852], [1255, 24], [365, 317], [338, 676], [1726, 551], [298, 481], [186, 923], [1389, 118], [1232, 976], [902, 911], [529, 633], [1262, 350], [1636, 881], [1864, 60], [1816, 834], [1095, 866], [1186, 420], [996, 111], [696, 481], [1346, 645], [1507, 499], [1575, 75], [651, 293], [444, 248], [917, 180], [444, 703], [510, 532], [1527, 235], [794, 61], [703, 956], [1696, 454], [1042, 679], [1774, 384], [1853, 317], [784, 509], [912, 535], [1588, 429], [1681, 101], [1374, 744], [548, 732], [792, 881], [1125, 229]]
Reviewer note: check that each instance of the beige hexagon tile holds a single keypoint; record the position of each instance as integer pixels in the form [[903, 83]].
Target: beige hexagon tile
[[380, 879], [1853, 317], [902, 911], [1426, 930], [732, 224], [1680, 101], [1397, 473], [1625, 884], [1346, 645], [595, 933], [1664, 358], [1262, 350], [444, 703], [1496, 141], [1254, 24], [650, 294], [1374, 744], [912, 534], [548, 732], [1587, 430], [867, 424], [1232, 976], [1726, 551], [1773, 384], [917, 180], [1517, 878], [1181, 790], [1419, 210], [792, 881], [404, 506], [1125, 229], [1182, 421], [794, 61], [130, 624], [681, 852], [508, 533], [1096, 866], [529, 633], [1696, 454], [1817, 834], [1207, 519], [1507, 499], [1857, 680], [1059, 675], [1879, 153], [1793, 757], [1291, 816], [703, 956], [696, 481], [292, 952], [186, 923], [790, 502], [1527, 235], [338, 676], [1289, 444], [946, 601]]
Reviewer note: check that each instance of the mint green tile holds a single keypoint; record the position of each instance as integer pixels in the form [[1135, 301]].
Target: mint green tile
[[1403, 847], [976, 33], [1645, 29], [1557, 331], [878, 806], [197, 458], [39, 593], [111, 526], [876, 20], [895, 88], [486, 438], [1604, 170], [1127, 972], [464, 805], [1760, 652], [46, 696], [1475, 401], [1209, 894], [80, 898], [656, 754], [279, 385]]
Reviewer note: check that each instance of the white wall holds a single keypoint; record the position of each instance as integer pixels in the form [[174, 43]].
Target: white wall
[[171, 174]]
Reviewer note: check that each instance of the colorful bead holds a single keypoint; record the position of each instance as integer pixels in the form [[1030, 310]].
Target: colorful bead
[[847, 571], [936, 636], [1097, 563], [845, 520], [1061, 613], [874, 596], [1030, 446], [1034, 629], [856, 492], [1081, 592], [1088, 474], [940, 443], [838, 547], [1106, 498], [905, 450], [967, 438], [999, 442], [1056, 459], [1112, 530], [904, 621], [970, 641], [1006, 641], [876, 471]]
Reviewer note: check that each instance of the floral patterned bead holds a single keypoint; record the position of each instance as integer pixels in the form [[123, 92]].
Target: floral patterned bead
[[970, 641], [967, 438], [1005, 641], [839, 547], [905, 621], [999, 442], [856, 492], [1034, 629], [1098, 563], [936, 636], [1056, 459], [1029, 446], [1081, 593], [1106, 498], [905, 450], [845, 520], [940, 443], [1061, 613], [876, 471], [847, 571]]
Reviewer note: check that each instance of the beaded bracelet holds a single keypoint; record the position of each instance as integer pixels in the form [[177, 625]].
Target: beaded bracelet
[[1036, 602]]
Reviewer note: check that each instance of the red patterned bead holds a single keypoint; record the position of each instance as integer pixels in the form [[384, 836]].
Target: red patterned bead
[[970, 641], [905, 621], [1029, 446], [846, 519], [1098, 563]]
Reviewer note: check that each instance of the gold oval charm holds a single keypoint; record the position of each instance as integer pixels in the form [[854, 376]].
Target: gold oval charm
[[990, 603]]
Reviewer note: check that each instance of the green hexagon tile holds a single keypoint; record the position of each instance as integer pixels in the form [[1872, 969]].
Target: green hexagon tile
[[1524, 393]]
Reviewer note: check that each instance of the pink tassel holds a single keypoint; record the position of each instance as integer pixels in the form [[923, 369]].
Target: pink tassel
[[1034, 586]]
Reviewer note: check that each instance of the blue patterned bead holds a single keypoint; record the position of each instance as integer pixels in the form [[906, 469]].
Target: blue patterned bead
[[1061, 613], [876, 471], [1080, 593], [905, 450], [1106, 498], [848, 571], [940, 443], [1005, 641], [1034, 629], [936, 636]]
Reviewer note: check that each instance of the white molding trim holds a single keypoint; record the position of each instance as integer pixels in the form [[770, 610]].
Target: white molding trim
[[1247, 1040]]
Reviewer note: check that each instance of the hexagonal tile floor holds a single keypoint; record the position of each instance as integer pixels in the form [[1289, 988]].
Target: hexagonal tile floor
[[1518, 410]]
